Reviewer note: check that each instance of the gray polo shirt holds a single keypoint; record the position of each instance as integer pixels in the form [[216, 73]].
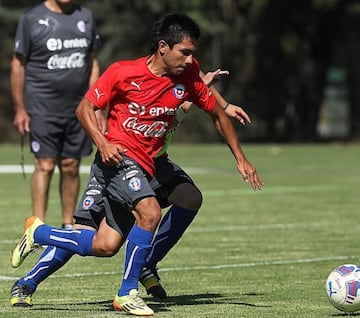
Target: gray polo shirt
[[57, 48]]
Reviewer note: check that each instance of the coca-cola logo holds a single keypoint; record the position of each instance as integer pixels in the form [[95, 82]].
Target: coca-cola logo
[[74, 60], [156, 129]]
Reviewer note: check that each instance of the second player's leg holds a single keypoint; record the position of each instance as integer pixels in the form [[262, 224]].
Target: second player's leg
[[69, 187], [40, 184]]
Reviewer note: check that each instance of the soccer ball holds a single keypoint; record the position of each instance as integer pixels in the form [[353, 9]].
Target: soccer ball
[[343, 287]]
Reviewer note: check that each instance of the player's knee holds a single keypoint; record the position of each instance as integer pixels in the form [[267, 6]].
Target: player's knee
[[187, 196], [105, 250], [45, 166], [195, 199], [106, 245], [69, 166], [148, 213]]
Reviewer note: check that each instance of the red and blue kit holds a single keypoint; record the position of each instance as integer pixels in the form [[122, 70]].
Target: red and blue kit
[[142, 105]]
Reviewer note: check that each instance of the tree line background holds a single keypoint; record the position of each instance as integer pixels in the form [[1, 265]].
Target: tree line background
[[294, 65]]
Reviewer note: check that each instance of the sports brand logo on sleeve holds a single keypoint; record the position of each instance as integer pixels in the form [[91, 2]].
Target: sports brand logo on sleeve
[[98, 93]]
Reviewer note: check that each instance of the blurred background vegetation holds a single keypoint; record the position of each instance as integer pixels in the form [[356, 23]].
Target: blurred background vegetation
[[294, 65]]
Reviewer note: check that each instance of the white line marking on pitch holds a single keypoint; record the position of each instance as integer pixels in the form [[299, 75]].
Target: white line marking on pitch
[[234, 228], [213, 267], [85, 169]]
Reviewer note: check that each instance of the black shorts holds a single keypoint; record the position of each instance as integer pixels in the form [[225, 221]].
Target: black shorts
[[118, 217], [58, 137], [168, 176], [92, 205]]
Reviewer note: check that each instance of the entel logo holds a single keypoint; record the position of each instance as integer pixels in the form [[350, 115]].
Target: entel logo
[[157, 111], [53, 44], [136, 109]]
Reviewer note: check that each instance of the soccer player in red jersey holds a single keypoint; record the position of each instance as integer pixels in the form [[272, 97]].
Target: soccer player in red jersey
[[142, 96]]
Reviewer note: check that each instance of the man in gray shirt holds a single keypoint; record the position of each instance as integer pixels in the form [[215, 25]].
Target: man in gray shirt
[[52, 67]]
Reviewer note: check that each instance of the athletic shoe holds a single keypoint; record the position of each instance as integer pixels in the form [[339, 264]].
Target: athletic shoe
[[132, 304], [150, 279], [20, 296], [66, 226], [26, 244]]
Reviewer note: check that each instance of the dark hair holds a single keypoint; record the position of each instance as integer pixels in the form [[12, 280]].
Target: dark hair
[[172, 28]]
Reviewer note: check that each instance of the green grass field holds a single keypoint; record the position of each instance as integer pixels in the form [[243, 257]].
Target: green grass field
[[248, 254]]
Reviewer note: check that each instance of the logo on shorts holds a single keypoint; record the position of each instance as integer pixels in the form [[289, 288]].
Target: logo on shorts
[[93, 192], [35, 146], [134, 184], [179, 91], [130, 174], [88, 202]]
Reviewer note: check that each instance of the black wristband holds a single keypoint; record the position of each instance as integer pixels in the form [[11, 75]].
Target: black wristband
[[226, 106]]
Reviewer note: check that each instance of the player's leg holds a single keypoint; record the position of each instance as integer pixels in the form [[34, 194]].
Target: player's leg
[[171, 229], [88, 216], [45, 142], [138, 246], [51, 260], [186, 199], [75, 145], [128, 185], [40, 184], [84, 242], [69, 185], [172, 186]]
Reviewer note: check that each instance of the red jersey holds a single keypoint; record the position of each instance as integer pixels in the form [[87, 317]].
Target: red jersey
[[142, 105]]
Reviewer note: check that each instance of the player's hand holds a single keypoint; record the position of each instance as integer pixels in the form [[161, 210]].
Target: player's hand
[[22, 122], [238, 113], [249, 174], [112, 154], [210, 77]]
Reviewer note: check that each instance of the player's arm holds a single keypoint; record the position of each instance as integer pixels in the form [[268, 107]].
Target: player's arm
[[246, 169], [208, 79], [95, 69], [94, 74], [110, 153], [235, 111], [17, 82]]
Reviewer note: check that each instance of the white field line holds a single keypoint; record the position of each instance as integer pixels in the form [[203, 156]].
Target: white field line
[[210, 267], [84, 169], [230, 228]]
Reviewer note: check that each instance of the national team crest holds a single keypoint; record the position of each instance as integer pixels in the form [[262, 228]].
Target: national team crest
[[134, 184], [179, 91], [81, 26], [35, 146], [88, 202]]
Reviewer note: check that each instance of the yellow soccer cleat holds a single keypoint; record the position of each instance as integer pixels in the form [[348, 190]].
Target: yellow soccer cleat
[[132, 304], [20, 296], [26, 244]]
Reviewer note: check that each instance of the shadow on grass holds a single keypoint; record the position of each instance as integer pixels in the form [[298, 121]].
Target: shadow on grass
[[200, 299], [157, 305], [346, 314]]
